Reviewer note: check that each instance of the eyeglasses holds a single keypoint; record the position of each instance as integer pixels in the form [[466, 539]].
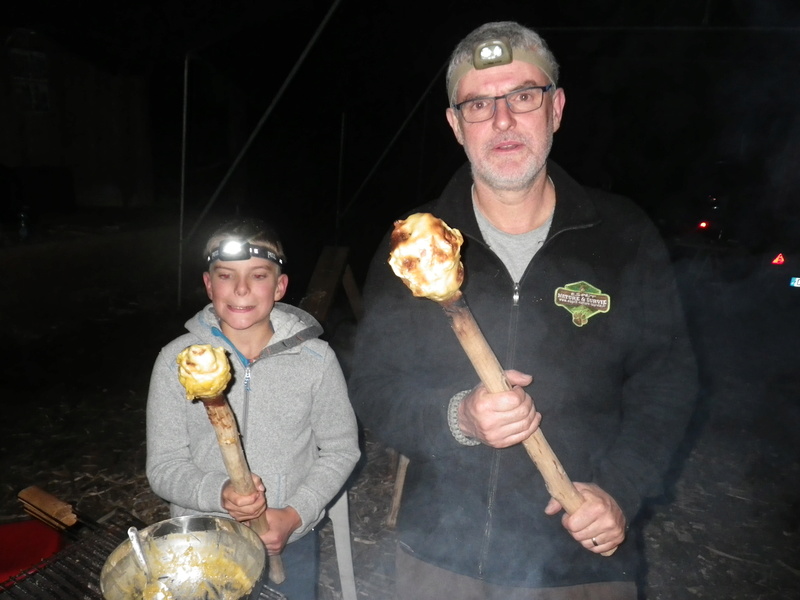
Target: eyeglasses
[[524, 100]]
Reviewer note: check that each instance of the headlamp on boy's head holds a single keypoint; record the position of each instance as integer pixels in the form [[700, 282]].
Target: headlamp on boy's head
[[238, 250]]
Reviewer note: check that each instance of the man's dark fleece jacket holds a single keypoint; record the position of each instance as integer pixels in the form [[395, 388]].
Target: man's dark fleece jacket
[[615, 390]]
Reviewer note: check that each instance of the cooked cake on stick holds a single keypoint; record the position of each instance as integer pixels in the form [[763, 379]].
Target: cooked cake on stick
[[205, 372], [426, 255]]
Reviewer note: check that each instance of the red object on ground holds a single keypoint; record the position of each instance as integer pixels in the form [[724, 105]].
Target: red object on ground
[[24, 544]]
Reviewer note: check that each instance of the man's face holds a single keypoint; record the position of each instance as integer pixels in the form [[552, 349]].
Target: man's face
[[243, 292], [508, 151]]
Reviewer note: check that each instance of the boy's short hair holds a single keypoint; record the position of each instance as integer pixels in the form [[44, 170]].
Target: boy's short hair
[[253, 231]]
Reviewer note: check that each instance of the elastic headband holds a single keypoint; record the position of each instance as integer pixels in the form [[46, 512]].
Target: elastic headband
[[238, 250], [494, 53]]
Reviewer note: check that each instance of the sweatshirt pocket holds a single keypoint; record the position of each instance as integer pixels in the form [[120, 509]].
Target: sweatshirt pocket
[[276, 484]]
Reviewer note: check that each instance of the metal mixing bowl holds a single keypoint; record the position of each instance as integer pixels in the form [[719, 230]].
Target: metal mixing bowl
[[198, 556]]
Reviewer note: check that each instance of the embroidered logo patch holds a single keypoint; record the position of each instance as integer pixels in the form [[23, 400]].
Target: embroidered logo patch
[[582, 300]]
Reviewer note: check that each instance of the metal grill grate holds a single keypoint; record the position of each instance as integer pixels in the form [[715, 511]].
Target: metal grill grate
[[74, 572]]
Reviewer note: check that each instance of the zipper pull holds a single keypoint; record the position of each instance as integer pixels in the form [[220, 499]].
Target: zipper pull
[[247, 378], [515, 295]]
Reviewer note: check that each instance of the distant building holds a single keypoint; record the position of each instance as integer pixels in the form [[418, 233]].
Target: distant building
[[73, 134]]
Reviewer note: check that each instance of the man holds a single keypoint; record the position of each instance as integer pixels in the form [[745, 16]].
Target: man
[[574, 292]]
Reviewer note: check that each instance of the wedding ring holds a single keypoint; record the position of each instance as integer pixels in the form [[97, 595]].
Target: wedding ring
[[594, 541]]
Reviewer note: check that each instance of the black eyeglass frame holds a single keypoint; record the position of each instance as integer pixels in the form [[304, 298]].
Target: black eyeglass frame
[[494, 99]]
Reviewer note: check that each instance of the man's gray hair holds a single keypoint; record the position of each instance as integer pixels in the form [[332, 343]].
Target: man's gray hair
[[518, 36]]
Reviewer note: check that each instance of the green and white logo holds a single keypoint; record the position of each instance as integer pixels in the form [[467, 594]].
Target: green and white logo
[[582, 300]]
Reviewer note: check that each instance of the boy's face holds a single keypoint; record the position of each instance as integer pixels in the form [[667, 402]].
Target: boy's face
[[243, 292]]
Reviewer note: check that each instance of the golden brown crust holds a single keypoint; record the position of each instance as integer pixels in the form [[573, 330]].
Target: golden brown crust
[[204, 371], [426, 255]]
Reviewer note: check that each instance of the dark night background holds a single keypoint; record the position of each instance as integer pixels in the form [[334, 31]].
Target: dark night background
[[668, 102], [690, 107]]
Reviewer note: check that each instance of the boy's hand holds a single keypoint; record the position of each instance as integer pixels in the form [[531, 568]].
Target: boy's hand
[[244, 507], [282, 522]]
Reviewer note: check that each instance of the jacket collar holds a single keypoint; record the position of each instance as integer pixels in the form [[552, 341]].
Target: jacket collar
[[292, 326], [574, 208]]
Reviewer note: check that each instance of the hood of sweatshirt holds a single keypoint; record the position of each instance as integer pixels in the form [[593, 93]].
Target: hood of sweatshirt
[[291, 325]]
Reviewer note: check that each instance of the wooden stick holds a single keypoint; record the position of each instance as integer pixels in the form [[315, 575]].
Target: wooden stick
[[224, 423], [493, 377], [397, 492], [47, 508]]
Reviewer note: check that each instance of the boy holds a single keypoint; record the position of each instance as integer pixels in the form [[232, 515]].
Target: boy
[[289, 397]]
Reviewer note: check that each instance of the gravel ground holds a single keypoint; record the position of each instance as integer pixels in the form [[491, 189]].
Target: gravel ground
[[73, 423]]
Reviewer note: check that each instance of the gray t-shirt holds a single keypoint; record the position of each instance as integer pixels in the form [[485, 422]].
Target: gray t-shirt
[[515, 250]]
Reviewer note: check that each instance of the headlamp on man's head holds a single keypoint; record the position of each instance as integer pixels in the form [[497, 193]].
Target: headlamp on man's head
[[238, 250], [492, 54]]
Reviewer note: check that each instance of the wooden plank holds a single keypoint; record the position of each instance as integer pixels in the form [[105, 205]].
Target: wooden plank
[[397, 491], [352, 292], [330, 270]]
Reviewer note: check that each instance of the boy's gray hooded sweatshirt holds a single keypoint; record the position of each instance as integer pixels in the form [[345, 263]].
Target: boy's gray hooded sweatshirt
[[297, 425]]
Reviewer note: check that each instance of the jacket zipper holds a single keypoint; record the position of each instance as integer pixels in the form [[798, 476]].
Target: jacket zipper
[[247, 373], [487, 530], [495, 470], [513, 322], [246, 403]]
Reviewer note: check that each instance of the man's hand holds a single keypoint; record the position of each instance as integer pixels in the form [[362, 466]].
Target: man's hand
[[244, 507], [502, 419], [598, 524]]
